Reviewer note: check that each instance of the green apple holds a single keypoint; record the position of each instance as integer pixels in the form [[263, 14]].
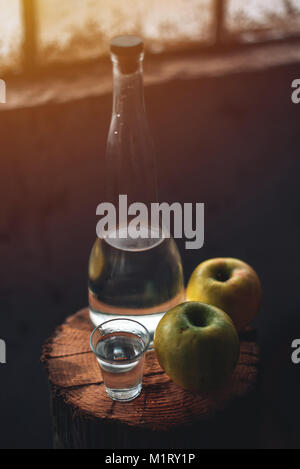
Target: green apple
[[197, 346], [231, 285]]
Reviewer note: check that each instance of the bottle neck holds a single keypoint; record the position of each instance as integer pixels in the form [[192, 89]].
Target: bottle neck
[[128, 101], [130, 153]]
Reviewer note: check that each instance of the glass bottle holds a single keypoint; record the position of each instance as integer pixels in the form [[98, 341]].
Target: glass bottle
[[138, 278]]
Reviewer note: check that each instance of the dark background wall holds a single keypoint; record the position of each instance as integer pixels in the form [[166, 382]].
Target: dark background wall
[[230, 141]]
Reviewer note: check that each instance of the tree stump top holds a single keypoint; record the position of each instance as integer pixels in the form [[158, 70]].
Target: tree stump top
[[75, 376]]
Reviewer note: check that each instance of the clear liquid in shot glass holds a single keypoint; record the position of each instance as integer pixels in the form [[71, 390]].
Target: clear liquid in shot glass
[[122, 367]]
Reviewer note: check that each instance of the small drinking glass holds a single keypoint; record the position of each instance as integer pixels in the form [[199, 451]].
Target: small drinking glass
[[120, 346]]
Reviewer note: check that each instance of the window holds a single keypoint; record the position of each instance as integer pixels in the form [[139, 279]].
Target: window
[[39, 32], [252, 19], [74, 29], [11, 33]]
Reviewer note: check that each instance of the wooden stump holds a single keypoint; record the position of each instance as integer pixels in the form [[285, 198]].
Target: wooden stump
[[163, 416]]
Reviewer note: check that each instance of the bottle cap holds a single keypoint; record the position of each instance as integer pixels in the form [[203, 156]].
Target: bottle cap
[[127, 46]]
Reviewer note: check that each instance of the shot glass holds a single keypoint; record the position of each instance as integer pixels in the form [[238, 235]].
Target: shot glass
[[119, 346]]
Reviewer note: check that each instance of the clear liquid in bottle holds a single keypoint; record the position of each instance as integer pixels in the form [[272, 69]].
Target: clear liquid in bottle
[[129, 277]]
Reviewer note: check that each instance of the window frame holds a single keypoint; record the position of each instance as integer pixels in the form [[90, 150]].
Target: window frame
[[221, 39]]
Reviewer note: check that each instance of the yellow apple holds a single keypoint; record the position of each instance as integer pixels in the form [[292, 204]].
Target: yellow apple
[[197, 345], [231, 285]]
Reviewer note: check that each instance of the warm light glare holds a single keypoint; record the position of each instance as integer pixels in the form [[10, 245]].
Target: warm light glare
[[260, 13], [11, 28], [168, 20], [70, 30]]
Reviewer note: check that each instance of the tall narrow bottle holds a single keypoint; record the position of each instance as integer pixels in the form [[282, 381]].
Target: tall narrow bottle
[[136, 277]]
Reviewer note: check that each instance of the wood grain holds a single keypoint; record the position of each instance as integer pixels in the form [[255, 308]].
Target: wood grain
[[77, 382]]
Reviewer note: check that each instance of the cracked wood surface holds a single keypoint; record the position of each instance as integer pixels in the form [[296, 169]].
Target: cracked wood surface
[[75, 376]]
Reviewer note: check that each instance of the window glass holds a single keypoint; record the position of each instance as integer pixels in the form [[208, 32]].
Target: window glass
[[274, 17], [11, 33], [72, 29]]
